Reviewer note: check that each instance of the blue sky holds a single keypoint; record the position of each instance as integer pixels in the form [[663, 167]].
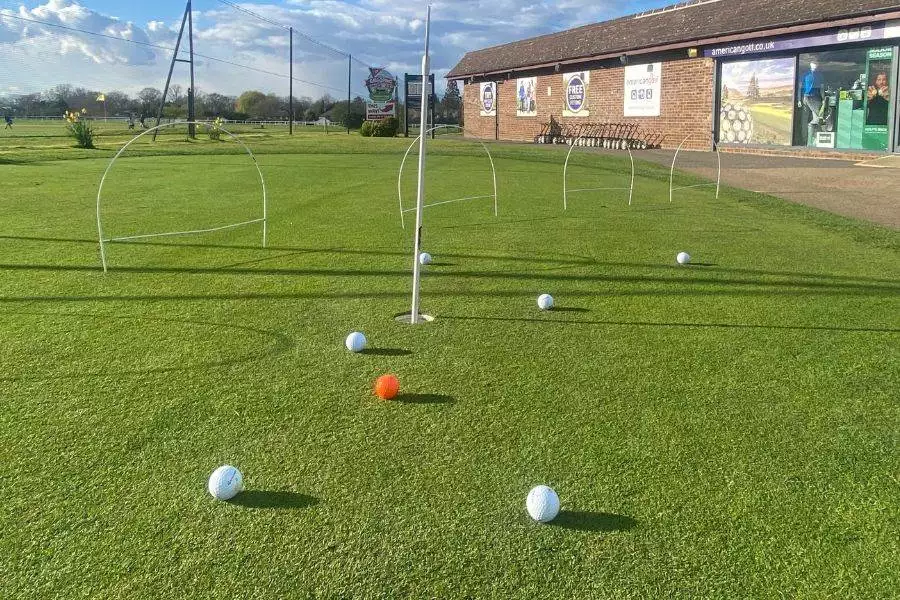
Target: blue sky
[[381, 32]]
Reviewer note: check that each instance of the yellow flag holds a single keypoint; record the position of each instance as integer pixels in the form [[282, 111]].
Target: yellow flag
[[101, 98]]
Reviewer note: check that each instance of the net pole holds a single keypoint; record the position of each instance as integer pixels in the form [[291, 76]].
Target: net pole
[[192, 128], [420, 196], [349, 84], [291, 93]]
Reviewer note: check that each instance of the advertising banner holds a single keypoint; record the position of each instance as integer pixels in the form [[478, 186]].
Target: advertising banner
[[643, 90], [382, 86], [378, 111], [845, 35], [526, 97], [757, 102], [487, 98], [879, 66], [576, 94]]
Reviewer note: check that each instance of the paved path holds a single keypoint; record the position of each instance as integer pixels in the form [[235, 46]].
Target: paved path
[[869, 190]]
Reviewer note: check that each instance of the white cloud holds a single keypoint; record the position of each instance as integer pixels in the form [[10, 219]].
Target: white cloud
[[380, 32]]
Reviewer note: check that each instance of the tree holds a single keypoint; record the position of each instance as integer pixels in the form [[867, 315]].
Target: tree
[[753, 88], [311, 115], [246, 102], [352, 119], [451, 103], [148, 99], [215, 105]]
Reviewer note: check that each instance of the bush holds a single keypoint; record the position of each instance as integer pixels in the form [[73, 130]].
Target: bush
[[367, 129], [80, 130], [387, 128], [214, 131]]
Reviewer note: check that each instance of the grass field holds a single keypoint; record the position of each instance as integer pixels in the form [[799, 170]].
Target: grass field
[[724, 430]]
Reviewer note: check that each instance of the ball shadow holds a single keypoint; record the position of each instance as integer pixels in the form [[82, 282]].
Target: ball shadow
[[425, 399], [262, 499], [592, 521], [386, 352]]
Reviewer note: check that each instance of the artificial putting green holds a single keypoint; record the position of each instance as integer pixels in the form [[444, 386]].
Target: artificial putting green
[[724, 430]]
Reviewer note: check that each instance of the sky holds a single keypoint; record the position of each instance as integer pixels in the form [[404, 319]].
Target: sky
[[384, 33]]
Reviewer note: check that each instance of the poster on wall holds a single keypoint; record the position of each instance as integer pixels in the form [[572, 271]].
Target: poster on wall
[[879, 65], [757, 104], [382, 102], [576, 97], [643, 89], [526, 97], [487, 98]]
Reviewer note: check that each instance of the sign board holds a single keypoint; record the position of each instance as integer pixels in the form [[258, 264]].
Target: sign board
[[526, 97], [414, 87], [382, 87], [844, 35], [825, 139], [487, 99], [575, 86], [643, 90]]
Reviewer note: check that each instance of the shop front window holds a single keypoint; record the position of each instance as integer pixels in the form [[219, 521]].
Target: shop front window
[[757, 101], [843, 99]]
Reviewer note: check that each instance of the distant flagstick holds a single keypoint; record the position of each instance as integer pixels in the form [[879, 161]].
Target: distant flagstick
[[420, 198]]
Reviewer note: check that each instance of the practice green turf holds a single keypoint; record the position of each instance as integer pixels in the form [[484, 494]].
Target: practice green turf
[[724, 430]]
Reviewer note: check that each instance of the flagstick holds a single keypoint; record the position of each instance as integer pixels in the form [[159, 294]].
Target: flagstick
[[420, 198]]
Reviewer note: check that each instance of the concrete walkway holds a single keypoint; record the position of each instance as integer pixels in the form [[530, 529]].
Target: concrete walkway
[[867, 190]]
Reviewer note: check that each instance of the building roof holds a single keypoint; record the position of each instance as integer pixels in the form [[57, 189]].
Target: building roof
[[679, 24]]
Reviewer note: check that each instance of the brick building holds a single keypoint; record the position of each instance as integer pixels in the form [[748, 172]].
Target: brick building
[[747, 74]]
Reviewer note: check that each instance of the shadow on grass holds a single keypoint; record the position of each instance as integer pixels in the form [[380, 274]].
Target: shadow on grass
[[592, 521], [386, 352], [273, 500], [677, 325], [279, 344], [425, 399]]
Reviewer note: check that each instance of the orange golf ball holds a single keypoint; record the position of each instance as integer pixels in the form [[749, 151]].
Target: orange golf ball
[[386, 387]]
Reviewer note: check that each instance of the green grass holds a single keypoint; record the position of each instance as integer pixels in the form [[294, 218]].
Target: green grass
[[725, 430]]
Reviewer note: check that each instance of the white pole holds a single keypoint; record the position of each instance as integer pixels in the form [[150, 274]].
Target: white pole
[[420, 197]]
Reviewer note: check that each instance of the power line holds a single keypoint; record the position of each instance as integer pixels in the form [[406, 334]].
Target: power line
[[247, 11], [168, 49], [281, 25]]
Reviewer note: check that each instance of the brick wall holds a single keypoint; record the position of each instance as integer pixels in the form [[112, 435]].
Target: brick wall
[[686, 107], [475, 125]]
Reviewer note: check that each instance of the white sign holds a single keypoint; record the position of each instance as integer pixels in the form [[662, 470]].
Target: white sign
[[643, 90], [487, 99], [825, 139]]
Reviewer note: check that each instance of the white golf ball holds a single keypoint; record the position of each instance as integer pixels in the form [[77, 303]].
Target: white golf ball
[[542, 504], [225, 483], [683, 258], [356, 342], [545, 301], [424, 258]]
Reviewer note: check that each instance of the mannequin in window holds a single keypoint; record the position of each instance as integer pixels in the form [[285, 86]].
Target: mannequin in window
[[812, 97]]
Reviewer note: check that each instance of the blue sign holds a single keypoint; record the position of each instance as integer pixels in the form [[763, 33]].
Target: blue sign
[[845, 35], [576, 93]]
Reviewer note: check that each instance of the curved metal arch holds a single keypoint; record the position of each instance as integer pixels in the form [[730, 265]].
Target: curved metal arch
[[718, 183], [263, 220], [566, 191], [403, 163]]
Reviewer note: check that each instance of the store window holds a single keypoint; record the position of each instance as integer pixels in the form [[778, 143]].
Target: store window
[[843, 99], [757, 101]]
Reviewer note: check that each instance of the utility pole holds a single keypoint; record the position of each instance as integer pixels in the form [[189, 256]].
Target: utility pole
[[175, 59], [291, 93]]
